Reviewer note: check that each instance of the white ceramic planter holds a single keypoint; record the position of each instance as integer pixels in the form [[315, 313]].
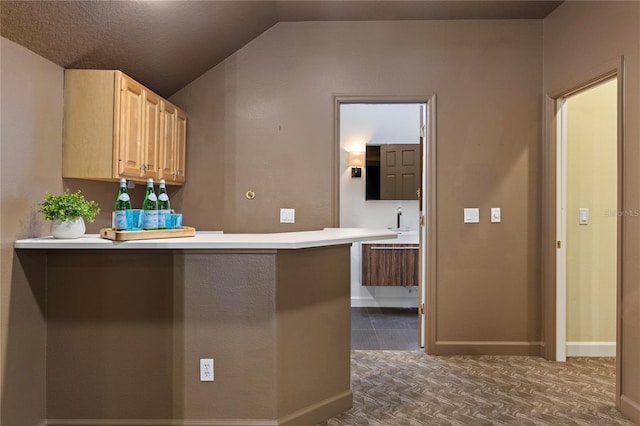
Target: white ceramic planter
[[68, 228]]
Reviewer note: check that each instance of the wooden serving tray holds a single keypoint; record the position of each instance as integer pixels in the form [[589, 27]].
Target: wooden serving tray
[[112, 234]]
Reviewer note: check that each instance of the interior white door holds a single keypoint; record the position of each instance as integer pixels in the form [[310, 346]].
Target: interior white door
[[422, 234], [561, 232], [586, 264]]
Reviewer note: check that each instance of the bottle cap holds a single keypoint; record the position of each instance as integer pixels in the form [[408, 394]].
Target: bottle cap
[[150, 180], [161, 180]]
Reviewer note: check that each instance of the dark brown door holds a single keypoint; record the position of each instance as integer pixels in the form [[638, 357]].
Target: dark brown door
[[399, 171]]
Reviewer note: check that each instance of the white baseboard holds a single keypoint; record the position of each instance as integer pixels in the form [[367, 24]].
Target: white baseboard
[[591, 349], [386, 302]]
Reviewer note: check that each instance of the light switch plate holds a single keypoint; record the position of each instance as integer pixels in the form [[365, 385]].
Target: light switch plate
[[287, 215], [471, 215], [584, 216], [496, 215]]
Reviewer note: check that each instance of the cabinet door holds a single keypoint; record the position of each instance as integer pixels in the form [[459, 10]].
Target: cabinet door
[[390, 264], [129, 132], [151, 139], [173, 139], [167, 141], [180, 149], [399, 172]]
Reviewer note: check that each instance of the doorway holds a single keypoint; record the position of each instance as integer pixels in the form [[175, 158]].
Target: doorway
[[356, 211], [587, 220]]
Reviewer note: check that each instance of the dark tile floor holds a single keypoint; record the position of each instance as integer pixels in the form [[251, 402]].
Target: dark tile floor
[[384, 329]]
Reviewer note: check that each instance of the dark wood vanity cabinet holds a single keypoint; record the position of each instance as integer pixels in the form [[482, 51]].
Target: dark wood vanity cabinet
[[390, 264]]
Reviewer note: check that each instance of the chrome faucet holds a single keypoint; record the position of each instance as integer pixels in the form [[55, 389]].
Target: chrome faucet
[[398, 214]]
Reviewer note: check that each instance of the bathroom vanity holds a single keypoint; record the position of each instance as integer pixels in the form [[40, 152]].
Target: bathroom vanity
[[391, 263], [132, 319]]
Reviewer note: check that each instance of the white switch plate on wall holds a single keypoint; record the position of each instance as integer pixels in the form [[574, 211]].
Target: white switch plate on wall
[[471, 215], [584, 216], [496, 215], [287, 215]]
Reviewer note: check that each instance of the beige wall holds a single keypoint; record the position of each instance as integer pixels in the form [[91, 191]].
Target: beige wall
[[264, 120], [31, 158], [572, 56], [592, 173]]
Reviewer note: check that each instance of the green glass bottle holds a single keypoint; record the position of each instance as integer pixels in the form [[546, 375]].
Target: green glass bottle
[[123, 203], [150, 208], [164, 208]]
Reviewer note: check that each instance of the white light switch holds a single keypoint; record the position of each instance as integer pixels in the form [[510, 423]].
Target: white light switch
[[496, 215], [471, 215], [287, 215], [584, 216]]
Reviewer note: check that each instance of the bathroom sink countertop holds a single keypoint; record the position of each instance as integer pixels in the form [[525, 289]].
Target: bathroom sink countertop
[[215, 240], [404, 237]]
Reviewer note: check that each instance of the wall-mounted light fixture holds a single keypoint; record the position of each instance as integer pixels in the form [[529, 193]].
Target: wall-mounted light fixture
[[356, 161]]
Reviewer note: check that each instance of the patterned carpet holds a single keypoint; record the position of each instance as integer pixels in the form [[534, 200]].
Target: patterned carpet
[[396, 388]]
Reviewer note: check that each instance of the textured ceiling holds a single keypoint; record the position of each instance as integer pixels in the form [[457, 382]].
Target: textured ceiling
[[167, 44]]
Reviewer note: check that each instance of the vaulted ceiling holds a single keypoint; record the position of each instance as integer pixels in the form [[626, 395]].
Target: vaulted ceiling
[[167, 44]]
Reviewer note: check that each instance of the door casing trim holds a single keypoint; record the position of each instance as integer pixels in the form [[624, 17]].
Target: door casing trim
[[552, 102], [429, 246]]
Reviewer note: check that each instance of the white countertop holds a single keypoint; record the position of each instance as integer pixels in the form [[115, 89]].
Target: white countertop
[[404, 237], [213, 240]]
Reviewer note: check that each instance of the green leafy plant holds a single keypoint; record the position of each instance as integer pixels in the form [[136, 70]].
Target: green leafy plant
[[68, 206]]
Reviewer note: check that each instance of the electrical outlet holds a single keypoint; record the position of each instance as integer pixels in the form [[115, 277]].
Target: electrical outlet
[[206, 370]]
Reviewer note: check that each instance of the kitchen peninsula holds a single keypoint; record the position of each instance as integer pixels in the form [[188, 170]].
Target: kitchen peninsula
[[128, 322]]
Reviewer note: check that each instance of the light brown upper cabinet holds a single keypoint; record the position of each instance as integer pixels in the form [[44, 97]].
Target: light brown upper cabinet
[[116, 128], [130, 128], [180, 149], [173, 139]]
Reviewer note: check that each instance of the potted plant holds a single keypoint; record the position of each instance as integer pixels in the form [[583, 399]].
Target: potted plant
[[68, 211]]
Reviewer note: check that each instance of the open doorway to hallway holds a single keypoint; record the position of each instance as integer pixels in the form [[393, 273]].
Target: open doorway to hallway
[[588, 221]]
